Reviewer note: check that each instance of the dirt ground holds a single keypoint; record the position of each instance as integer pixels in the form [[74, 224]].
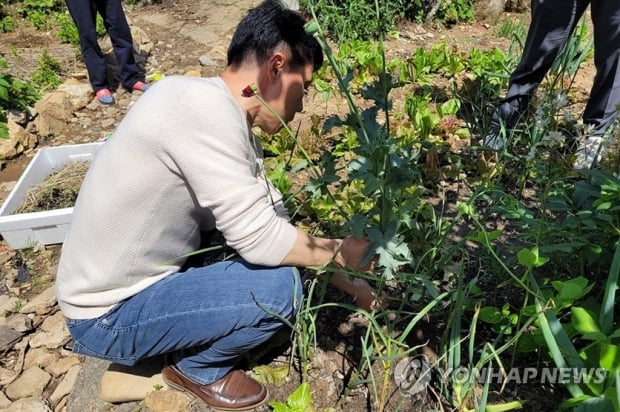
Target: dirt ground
[[339, 331]]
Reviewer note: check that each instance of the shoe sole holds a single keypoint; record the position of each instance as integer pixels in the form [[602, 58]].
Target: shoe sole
[[216, 408]]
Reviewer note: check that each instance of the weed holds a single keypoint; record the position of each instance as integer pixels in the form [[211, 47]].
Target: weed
[[47, 74], [15, 94]]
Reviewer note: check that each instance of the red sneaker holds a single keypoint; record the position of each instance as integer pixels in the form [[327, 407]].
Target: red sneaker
[[104, 96], [140, 86]]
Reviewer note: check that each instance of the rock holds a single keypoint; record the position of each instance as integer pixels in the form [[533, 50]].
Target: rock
[[63, 365], [21, 117], [193, 73], [79, 93], [108, 123], [84, 396], [131, 407], [4, 401], [8, 304], [55, 110], [40, 357], [42, 302], [54, 334], [65, 386], [19, 322], [31, 383], [124, 384], [28, 405], [6, 375], [62, 405], [8, 337], [164, 401], [206, 61], [19, 140]]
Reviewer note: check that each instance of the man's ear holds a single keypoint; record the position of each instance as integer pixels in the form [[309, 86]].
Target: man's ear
[[276, 64]]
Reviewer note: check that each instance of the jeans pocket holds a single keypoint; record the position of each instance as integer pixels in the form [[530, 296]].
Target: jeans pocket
[[101, 339]]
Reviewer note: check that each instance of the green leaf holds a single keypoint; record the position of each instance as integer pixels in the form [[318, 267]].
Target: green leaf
[[279, 406], [610, 357], [583, 321], [4, 94], [490, 314], [530, 258], [465, 209], [571, 290], [301, 398], [271, 375]]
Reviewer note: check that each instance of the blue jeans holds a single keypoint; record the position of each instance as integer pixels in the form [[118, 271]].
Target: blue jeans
[[206, 317]]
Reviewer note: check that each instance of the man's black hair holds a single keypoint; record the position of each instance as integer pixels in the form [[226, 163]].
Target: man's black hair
[[268, 25]]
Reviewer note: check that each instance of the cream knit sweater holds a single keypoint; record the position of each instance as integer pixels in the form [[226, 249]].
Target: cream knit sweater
[[183, 160]]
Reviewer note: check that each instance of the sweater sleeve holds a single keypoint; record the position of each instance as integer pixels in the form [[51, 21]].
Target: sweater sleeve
[[224, 172]]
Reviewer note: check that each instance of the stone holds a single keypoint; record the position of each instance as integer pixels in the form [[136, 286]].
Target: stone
[[84, 396], [55, 109], [21, 117], [53, 339], [4, 401], [28, 405], [31, 383], [6, 375], [43, 301], [63, 365], [79, 93], [193, 73], [19, 140], [62, 405], [164, 401], [8, 304], [8, 337], [206, 61], [40, 357], [66, 385], [131, 383], [131, 407], [19, 322]]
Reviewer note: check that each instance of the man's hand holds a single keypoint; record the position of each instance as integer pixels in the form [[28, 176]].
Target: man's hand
[[352, 251], [363, 294]]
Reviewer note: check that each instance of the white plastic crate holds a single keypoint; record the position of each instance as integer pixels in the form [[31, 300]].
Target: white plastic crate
[[47, 227]]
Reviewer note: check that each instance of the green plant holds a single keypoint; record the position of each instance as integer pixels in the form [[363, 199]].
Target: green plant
[[7, 23], [14, 94], [38, 12], [512, 28], [18, 305], [298, 401], [67, 32], [46, 76]]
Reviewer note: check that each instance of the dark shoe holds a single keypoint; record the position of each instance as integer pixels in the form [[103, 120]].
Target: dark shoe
[[234, 392], [505, 117]]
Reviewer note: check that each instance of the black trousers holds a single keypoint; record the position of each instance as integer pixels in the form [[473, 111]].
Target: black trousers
[[84, 14], [552, 23]]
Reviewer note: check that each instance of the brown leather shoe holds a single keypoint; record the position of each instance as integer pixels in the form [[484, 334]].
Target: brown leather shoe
[[234, 392]]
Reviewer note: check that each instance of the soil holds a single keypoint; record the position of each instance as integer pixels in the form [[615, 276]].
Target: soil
[[333, 366]]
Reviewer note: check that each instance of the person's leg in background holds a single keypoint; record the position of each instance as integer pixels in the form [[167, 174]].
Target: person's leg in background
[[552, 23], [600, 111], [118, 29], [84, 15]]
